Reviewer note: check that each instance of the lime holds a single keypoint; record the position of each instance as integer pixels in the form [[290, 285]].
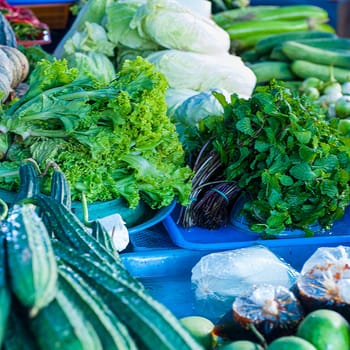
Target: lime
[[326, 330], [344, 126], [201, 329], [241, 345], [290, 342]]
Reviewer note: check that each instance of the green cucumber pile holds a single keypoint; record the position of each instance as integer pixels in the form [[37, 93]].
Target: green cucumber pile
[[298, 56], [63, 286], [248, 25]]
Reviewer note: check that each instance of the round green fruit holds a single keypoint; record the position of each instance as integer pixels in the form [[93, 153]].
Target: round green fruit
[[342, 107], [241, 345], [201, 329], [326, 330], [290, 342], [344, 126]]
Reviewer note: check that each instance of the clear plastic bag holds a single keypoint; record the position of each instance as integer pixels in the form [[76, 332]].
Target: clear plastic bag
[[325, 276], [219, 277]]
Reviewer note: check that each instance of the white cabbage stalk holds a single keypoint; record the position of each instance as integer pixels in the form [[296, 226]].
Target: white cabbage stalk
[[199, 106], [201, 72], [174, 26]]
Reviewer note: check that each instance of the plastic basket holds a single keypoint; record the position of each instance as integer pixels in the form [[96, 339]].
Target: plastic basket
[[137, 219], [230, 236]]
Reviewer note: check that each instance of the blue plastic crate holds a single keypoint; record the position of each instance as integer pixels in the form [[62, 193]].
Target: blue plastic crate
[[230, 237], [166, 273]]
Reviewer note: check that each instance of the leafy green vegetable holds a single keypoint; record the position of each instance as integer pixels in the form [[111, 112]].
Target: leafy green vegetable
[[96, 64], [111, 140], [286, 155], [92, 11], [173, 25], [93, 38]]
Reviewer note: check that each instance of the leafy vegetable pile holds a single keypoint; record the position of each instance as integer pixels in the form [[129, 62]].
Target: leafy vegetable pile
[[111, 140], [285, 154]]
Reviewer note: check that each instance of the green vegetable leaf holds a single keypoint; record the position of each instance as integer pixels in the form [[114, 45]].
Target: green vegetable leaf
[[327, 164], [302, 171], [244, 125], [303, 137], [286, 180], [329, 188]]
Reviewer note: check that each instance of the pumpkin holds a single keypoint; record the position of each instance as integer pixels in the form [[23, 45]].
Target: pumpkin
[[19, 61], [7, 34], [14, 68]]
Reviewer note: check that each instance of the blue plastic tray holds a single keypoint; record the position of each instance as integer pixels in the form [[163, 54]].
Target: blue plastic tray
[[231, 237], [140, 218], [166, 273]]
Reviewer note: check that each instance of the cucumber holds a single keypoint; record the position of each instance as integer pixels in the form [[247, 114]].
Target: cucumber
[[305, 69], [264, 46], [113, 334], [151, 324], [30, 257], [278, 55], [61, 325], [222, 18], [270, 13], [255, 27], [336, 43], [267, 70], [29, 181], [5, 296], [298, 51], [70, 230], [60, 189]]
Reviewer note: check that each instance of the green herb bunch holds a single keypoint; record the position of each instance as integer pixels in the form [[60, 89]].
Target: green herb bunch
[[290, 160]]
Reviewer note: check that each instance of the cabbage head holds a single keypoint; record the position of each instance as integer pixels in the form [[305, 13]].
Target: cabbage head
[[175, 26], [98, 65], [201, 72]]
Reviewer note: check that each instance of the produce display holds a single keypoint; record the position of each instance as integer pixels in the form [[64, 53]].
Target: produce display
[[93, 131], [157, 102], [248, 25], [272, 147], [61, 286]]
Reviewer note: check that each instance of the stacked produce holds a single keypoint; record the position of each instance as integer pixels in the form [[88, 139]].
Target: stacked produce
[[62, 288], [282, 151], [247, 25], [113, 140], [312, 308], [297, 57], [187, 47]]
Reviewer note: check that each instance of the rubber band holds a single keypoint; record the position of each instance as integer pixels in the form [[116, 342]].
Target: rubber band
[[221, 194]]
